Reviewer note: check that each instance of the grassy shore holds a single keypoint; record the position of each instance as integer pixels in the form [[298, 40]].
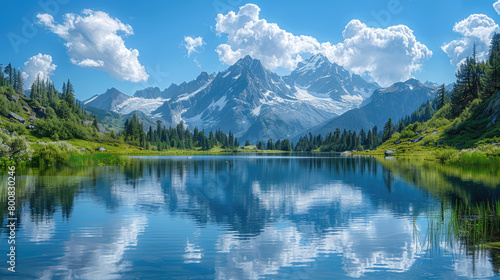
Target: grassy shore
[[430, 149], [75, 152]]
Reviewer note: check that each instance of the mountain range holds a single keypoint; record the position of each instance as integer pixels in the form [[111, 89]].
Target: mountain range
[[394, 102], [256, 103]]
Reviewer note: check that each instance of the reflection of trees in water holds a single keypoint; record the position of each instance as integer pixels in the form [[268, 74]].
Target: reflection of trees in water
[[247, 195], [469, 218], [44, 192]]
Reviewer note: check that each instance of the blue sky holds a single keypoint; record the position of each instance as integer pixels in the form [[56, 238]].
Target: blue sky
[[159, 28]]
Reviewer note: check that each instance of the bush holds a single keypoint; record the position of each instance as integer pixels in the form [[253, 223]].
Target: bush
[[49, 155], [16, 127], [407, 133], [441, 118], [14, 148], [446, 155], [430, 140]]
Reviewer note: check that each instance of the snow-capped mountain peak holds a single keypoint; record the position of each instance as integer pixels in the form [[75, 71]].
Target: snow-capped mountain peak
[[314, 62], [318, 75]]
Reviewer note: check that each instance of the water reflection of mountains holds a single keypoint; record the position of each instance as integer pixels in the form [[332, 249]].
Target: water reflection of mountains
[[247, 193], [276, 212]]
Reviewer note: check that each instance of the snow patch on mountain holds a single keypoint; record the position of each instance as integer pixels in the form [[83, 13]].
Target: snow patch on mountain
[[221, 103], [144, 105], [187, 96], [90, 100], [256, 111], [324, 102]]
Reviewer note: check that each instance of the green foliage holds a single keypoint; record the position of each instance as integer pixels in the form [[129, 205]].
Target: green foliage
[[407, 133], [471, 126], [445, 155], [64, 154], [441, 97], [16, 127], [14, 147], [340, 141], [101, 159], [493, 68], [430, 140], [50, 155], [389, 129], [441, 118], [469, 84]]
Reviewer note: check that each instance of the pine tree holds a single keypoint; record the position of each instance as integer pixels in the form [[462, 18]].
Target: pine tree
[[19, 82], [441, 96], [270, 145], [375, 138], [70, 94], [468, 83], [260, 146], [8, 72], [388, 130], [493, 69]]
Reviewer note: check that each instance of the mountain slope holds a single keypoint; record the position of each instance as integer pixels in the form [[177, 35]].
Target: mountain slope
[[393, 102], [318, 75], [108, 100], [115, 121], [149, 93], [247, 99]]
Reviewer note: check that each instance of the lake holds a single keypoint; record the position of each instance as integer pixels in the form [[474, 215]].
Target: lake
[[297, 216]]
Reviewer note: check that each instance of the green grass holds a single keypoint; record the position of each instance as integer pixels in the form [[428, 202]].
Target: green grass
[[51, 153], [101, 159], [465, 140]]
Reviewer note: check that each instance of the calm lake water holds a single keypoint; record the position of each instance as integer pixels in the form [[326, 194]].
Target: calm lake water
[[255, 217]]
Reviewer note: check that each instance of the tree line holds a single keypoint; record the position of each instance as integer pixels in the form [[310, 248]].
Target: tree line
[[178, 137]]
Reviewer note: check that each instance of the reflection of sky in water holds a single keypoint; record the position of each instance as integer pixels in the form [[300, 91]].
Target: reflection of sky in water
[[243, 220]]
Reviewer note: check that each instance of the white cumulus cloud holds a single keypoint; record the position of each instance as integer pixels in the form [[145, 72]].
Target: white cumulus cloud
[[496, 5], [478, 29], [38, 65], [192, 44], [95, 40], [388, 55]]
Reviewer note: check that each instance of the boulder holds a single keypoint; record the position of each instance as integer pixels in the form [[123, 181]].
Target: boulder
[[397, 142], [31, 126], [15, 98], [102, 149], [389, 153], [346, 154], [40, 112], [417, 140], [26, 108], [87, 122], [100, 128], [17, 118], [435, 131], [83, 149], [496, 144]]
